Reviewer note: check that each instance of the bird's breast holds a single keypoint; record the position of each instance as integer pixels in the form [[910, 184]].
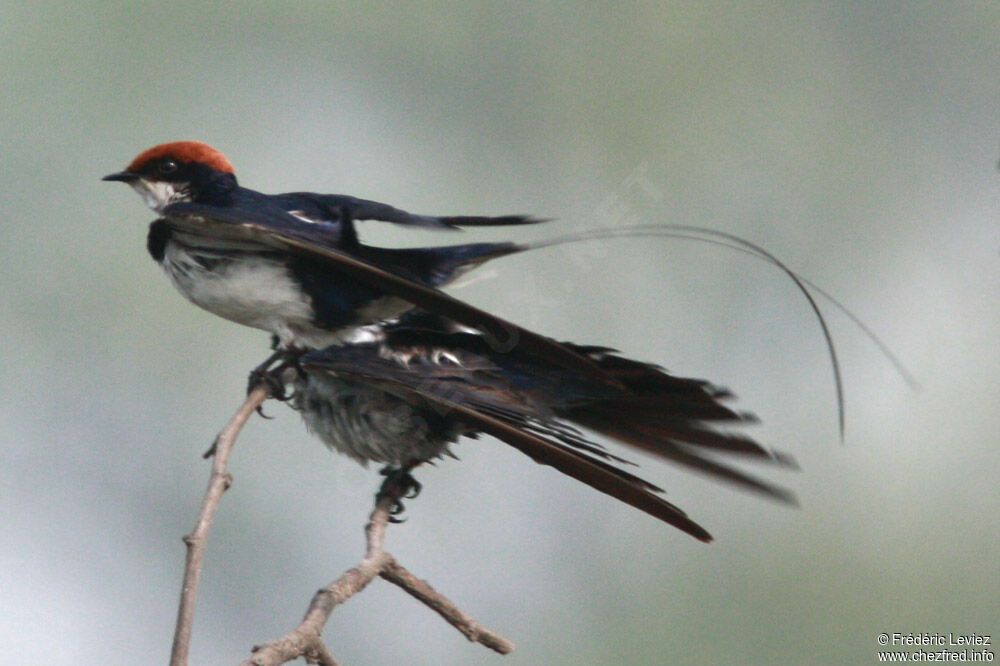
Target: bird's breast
[[370, 424], [250, 287], [307, 305]]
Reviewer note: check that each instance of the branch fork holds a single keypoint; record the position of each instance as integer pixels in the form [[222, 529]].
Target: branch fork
[[306, 640]]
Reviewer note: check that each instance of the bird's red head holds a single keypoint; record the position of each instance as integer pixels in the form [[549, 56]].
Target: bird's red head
[[183, 152], [178, 171]]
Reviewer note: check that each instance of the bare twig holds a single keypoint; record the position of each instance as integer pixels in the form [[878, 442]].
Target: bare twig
[[306, 640], [421, 590], [218, 483]]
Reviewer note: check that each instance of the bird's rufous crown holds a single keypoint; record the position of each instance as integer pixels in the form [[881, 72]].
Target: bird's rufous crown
[[184, 151]]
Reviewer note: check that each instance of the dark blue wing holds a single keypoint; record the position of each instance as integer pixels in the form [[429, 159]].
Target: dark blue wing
[[340, 207], [300, 238]]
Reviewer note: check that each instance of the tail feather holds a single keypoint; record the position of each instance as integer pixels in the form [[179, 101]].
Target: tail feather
[[699, 405], [668, 416], [671, 445], [608, 418], [594, 472]]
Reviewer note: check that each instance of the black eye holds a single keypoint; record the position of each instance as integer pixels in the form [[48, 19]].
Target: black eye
[[166, 166]]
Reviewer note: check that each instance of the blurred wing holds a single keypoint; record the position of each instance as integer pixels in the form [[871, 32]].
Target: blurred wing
[[668, 416], [297, 236], [646, 408], [474, 396], [362, 209], [343, 207]]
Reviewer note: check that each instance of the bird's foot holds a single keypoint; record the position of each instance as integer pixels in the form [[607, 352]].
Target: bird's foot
[[269, 374], [399, 484]]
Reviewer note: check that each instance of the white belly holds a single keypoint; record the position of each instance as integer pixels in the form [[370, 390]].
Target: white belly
[[259, 292]]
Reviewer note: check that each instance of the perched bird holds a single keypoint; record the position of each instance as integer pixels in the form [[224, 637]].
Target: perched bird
[[392, 370], [404, 399], [291, 264]]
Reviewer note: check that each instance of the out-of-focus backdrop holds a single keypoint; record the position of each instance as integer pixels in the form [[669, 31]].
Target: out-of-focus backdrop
[[857, 141]]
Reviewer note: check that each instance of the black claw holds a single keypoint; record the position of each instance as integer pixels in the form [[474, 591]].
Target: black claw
[[270, 379], [262, 376], [395, 510], [269, 375], [398, 485]]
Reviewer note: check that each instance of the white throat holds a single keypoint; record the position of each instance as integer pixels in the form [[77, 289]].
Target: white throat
[[157, 194]]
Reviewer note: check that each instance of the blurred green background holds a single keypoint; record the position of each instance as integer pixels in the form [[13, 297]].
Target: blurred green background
[[857, 141]]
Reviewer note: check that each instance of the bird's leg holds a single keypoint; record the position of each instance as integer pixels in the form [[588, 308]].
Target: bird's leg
[[399, 484], [262, 374], [269, 374]]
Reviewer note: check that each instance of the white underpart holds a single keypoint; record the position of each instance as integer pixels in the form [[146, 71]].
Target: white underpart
[[256, 291], [363, 334], [259, 292]]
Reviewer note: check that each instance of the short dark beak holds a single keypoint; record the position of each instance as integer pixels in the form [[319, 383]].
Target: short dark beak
[[122, 176]]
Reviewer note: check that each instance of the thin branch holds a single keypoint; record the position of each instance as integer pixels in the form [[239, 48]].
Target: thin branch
[[306, 640], [218, 483], [427, 595]]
